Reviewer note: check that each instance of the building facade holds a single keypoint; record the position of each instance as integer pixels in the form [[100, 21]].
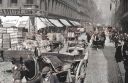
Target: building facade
[[67, 9], [121, 14]]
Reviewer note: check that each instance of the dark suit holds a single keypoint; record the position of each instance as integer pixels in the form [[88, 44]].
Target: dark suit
[[125, 55], [118, 54]]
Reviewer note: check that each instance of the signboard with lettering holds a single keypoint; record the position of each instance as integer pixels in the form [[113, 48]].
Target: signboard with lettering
[[17, 12]]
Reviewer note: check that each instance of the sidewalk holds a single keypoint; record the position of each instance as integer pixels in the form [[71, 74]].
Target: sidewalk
[[102, 67], [122, 70], [120, 64]]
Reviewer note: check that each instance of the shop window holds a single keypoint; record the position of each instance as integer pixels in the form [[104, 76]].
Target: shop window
[[29, 1], [14, 1]]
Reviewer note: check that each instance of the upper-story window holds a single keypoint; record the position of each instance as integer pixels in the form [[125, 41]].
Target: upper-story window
[[0, 1], [29, 1], [14, 1]]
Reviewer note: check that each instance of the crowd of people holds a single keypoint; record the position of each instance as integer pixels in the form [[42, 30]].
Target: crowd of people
[[121, 44]]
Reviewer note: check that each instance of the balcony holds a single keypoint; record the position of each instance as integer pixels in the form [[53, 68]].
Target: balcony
[[31, 6]]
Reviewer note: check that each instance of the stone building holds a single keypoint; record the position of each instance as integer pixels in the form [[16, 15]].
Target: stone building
[[69, 9], [121, 14]]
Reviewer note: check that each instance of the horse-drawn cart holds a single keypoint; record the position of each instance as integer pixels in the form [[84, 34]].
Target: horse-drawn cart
[[66, 68]]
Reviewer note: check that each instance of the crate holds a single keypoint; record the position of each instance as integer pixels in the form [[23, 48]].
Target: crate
[[3, 30], [14, 40], [6, 36], [0, 36], [6, 45], [13, 45], [0, 43], [19, 34]]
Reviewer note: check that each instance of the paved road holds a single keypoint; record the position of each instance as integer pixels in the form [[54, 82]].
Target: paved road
[[102, 67], [4, 76]]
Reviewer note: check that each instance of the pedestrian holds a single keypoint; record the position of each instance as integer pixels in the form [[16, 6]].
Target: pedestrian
[[2, 56], [88, 37], [103, 38], [118, 53], [18, 70], [48, 76], [125, 56], [116, 39]]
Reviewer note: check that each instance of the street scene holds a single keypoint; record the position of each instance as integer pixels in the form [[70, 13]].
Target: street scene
[[63, 41]]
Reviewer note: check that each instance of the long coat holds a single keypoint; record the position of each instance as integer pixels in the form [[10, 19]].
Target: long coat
[[118, 54]]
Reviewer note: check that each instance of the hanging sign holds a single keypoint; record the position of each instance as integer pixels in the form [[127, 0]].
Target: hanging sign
[[17, 12]]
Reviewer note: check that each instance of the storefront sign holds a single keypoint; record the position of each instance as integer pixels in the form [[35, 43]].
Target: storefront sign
[[17, 12]]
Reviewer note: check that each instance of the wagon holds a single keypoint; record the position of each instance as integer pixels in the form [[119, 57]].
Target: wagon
[[97, 44], [72, 68]]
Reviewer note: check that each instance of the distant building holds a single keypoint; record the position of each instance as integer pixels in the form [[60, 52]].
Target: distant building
[[121, 14]]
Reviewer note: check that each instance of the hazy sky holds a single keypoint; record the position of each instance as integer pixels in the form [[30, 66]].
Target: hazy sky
[[104, 7]]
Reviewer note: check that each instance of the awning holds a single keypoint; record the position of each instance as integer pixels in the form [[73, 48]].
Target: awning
[[9, 21], [42, 23], [56, 22], [46, 22], [75, 23], [23, 22], [17, 21], [65, 22]]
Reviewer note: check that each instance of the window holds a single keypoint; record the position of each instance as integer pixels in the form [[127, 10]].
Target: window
[[29, 2], [0, 1], [14, 1]]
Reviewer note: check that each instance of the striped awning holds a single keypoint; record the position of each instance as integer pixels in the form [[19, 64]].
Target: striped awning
[[75, 23], [65, 22], [56, 22]]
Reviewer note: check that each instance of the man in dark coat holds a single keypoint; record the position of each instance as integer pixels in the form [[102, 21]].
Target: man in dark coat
[[125, 56], [118, 53], [2, 56], [88, 37]]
